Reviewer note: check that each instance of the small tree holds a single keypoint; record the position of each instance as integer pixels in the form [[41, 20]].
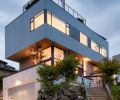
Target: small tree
[[68, 67], [108, 68], [48, 75]]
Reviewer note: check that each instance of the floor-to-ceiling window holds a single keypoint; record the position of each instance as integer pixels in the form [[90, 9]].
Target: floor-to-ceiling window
[[46, 53], [52, 55], [58, 54]]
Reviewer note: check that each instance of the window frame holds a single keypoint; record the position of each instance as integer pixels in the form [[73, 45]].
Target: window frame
[[32, 20], [86, 38], [56, 17]]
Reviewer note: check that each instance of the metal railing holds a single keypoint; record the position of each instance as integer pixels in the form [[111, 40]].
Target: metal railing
[[70, 11], [60, 3], [108, 91]]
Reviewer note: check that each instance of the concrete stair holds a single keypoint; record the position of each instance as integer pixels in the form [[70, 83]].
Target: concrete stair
[[1, 96], [97, 93]]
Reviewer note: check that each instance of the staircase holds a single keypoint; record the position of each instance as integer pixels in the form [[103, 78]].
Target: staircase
[[97, 93], [1, 96]]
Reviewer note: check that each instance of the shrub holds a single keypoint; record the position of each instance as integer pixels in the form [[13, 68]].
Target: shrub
[[48, 75], [116, 92]]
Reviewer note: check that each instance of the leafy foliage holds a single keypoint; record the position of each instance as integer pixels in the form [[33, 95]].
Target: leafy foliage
[[116, 92], [68, 67], [108, 68], [64, 69], [48, 75]]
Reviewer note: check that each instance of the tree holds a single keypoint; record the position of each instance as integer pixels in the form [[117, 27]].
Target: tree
[[108, 68], [64, 69], [48, 75], [68, 67]]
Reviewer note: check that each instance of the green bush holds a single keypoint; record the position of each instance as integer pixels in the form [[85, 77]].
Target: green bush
[[116, 92], [48, 75]]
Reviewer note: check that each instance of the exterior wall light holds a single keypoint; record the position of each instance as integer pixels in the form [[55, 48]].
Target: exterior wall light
[[18, 83]]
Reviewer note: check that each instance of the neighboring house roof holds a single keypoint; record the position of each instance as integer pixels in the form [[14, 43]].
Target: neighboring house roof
[[1, 61], [4, 66]]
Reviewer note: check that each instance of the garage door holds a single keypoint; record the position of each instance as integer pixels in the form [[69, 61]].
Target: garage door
[[24, 92]]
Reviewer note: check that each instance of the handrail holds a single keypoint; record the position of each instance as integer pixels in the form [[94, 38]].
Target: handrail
[[85, 88], [109, 91]]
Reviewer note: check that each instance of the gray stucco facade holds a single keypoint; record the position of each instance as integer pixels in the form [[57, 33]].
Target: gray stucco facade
[[18, 35]]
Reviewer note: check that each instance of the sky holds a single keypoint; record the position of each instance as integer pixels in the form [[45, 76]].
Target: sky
[[103, 16]]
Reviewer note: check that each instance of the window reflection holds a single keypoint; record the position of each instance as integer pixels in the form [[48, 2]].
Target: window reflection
[[46, 53], [58, 54]]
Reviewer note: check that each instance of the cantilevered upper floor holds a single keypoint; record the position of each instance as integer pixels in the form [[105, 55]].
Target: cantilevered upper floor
[[47, 20]]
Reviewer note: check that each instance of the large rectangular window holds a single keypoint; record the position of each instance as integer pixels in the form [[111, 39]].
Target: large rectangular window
[[57, 23], [52, 20], [37, 21], [98, 48], [84, 39]]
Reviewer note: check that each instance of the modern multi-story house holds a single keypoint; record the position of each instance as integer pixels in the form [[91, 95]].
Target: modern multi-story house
[[44, 33]]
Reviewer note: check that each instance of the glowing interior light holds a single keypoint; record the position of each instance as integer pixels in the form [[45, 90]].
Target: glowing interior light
[[86, 59]]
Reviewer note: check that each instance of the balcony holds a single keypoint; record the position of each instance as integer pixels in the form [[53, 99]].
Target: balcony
[[60, 3]]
